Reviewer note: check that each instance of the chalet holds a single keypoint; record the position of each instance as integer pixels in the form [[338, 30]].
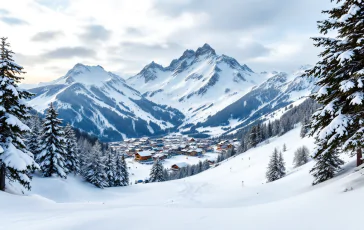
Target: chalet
[[144, 155], [195, 152], [178, 166], [192, 140], [160, 156]]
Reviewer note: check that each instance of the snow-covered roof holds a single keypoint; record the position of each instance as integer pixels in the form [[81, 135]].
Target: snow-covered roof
[[181, 164], [146, 153], [159, 155]]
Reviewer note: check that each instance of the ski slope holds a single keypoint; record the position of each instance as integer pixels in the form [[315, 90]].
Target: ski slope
[[214, 199]]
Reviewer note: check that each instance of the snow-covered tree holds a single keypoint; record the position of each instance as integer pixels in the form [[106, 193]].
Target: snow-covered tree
[[15, 160], [121, 174], [304, 128], [253, 137], [327, 165], [84, 152], [284, 147], [301, 156], [166, 174], [274, 171], [72, 163], [281, 165], [200, 167], [52, 155], [110, 168], [156, 173], [205, 165], [33, 137], [339, 124], [95, 173]]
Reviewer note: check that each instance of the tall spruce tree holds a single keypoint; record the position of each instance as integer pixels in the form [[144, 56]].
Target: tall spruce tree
[[281, 165], [327, 165], [95, 173], [84, 152], [121, 173], [72, 160], [274, 171], [156, 173], [253, 137], [15, 160], [33, 138], [110, 168], [338, 125], [205, 165], [52, 155], [301, 156]]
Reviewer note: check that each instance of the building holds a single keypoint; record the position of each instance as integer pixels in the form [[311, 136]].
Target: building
[[144, 155], [178, 166], [160, 156]]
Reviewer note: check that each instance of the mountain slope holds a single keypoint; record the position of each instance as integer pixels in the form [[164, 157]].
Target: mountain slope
[[277, 92], [215, 199], [199, 83], [101, 103]]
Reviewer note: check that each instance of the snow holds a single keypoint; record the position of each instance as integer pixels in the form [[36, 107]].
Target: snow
[[354, 9], [214, 199], [170, 86], [16, 158], [146, 153], [344, 56], [95, 77]]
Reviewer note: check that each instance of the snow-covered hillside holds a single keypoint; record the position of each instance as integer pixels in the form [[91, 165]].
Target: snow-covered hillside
[[262, 101], [199, 83], [200, 92], [101, 103], [214, 199], [217, 94]]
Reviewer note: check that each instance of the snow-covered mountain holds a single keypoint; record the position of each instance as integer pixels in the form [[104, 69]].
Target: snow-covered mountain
[[199, 83], [216, 93], [200, 92], [275, 93], [101, 103]]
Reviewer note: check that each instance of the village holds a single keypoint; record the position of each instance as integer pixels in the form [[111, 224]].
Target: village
[[174, 151]]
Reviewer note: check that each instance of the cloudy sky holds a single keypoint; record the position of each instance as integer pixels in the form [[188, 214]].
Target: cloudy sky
[[51, 36]]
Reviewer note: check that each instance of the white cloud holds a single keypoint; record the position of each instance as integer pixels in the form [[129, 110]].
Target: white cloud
[[121, 35]]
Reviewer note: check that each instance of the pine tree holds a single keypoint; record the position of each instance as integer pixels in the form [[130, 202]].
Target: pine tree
[[33, 138], [326, 167], [191, 170], [121, 172], [273, 171], [205, 165], [95, 173], [304, 128], [284, 147], [84, 152], [339, 124], [281, 166], [200, 167], [157, 172], [72, 161], [52, 146], [110, 168], [15, 160], [166, 174], [125, 172], [301, 156], [253, 137]]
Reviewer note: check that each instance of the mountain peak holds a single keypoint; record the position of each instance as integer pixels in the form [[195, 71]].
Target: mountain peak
[[205, 49], [153, 65], [188, 54], [88, 75]]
